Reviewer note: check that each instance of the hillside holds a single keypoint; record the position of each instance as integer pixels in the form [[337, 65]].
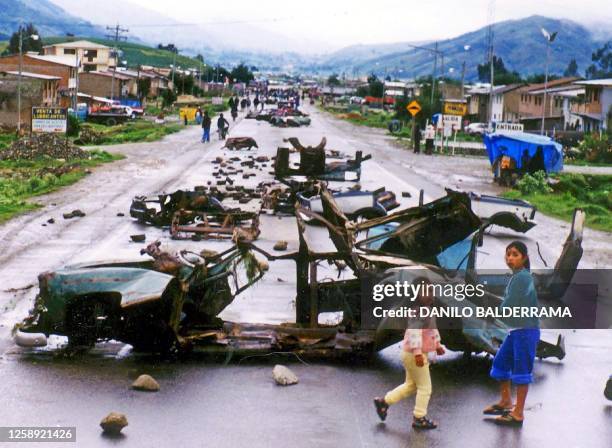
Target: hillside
[[137, 54], [519, 43], [49, 19]]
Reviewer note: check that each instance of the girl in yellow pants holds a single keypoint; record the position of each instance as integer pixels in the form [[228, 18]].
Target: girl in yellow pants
[[419, 340]]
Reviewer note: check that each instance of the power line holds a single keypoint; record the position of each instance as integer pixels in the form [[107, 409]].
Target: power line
[[117, 36]]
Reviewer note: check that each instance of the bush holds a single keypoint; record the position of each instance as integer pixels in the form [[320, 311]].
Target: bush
[[596, 149], [534, 183], [74, 126]]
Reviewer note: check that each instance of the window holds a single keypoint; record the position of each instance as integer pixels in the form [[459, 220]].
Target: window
[[69, 50], [91, 53], [596, 95]]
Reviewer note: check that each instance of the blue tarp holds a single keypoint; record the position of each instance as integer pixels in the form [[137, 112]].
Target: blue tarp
[[514, 145]]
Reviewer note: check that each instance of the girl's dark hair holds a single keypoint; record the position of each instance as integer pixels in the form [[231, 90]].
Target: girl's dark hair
[[522, 248]]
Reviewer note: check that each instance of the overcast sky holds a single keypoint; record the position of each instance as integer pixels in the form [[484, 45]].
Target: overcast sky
[[341, 22]]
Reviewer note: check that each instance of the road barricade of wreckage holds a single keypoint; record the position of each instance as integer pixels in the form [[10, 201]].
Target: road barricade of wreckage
[[171, 302], [282, 117]]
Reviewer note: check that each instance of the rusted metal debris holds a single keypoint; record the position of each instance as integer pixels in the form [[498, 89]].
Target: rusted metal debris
[[238, 225]]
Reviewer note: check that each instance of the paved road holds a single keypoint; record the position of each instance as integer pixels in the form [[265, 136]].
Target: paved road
[[227, 402]]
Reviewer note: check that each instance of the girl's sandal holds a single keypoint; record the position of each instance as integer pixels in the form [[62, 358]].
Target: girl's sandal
[[496, 409], [381, 408], [423, 423], [508, 420]]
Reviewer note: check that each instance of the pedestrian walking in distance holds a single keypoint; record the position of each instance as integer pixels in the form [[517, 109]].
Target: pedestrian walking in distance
[[421, 337], [206, 122]]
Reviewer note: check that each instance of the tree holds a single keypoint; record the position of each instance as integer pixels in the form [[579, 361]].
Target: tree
[[168, 97], [501, 75], [241, 73], [28, 43], [144, 87], [375, 86], [333, 80], [602, 63], [539, 78], [199, 57], [572, 68]]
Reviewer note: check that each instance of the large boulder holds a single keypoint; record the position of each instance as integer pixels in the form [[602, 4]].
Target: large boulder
[[113, 423], [284, 376], [145, 383]]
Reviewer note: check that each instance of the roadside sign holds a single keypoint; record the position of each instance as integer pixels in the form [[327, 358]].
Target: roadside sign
[[455, 108], [450, 123], [50, 120], [509, 127], [414, 108]]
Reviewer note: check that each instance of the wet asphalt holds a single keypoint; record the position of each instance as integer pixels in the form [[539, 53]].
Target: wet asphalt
[[215, 402]]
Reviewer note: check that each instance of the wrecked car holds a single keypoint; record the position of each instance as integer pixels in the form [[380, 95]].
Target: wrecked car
[[356, 205], [148, 304], [198, 213], [313, 164], [159, 209], [442, 238], [281, 198]]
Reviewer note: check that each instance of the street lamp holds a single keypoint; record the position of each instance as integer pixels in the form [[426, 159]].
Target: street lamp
[[550, 37], [466, 48], [33, 37]]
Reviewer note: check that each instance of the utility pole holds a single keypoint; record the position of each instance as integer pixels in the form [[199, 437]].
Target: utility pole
[[75, 100], [117, 35], [174, 65], [433, 74], [491, 56], [19, 80], [549, 39]]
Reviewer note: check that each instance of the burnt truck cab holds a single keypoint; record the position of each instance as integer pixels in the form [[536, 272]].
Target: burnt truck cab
[[147, 304], [439, 239]]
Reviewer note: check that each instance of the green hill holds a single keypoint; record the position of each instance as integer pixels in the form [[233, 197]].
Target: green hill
[[519, 43], [138, 54]]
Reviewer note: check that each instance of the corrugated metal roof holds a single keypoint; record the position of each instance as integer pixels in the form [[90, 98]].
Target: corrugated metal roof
[[69, 61], [77, 44], [32, 75], [606, 82]]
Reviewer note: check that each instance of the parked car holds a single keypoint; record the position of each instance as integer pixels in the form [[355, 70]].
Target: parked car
[[476, 129]]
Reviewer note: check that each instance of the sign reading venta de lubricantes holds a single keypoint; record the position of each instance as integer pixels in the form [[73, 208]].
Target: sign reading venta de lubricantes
[[49, 119]]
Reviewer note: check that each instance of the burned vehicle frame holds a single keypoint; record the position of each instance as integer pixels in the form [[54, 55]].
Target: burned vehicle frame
[[313, 164], [147, 304], [198, 212], [404, 252]]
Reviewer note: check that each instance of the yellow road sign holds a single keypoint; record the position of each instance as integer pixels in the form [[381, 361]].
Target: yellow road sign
[[414, 108]]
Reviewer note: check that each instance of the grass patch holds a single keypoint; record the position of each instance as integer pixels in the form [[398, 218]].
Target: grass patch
[[374, 118], [590, 192], [131, 132], [7, 139], [21, 180]]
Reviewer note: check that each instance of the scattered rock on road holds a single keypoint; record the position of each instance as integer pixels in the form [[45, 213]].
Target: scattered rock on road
[[281, 245], [263, 265], [74, 214], [145, 383], [284, 376], [113, 423]]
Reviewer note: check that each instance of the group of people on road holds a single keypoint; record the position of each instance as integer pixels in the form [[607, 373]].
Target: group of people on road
[[513, 362]]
